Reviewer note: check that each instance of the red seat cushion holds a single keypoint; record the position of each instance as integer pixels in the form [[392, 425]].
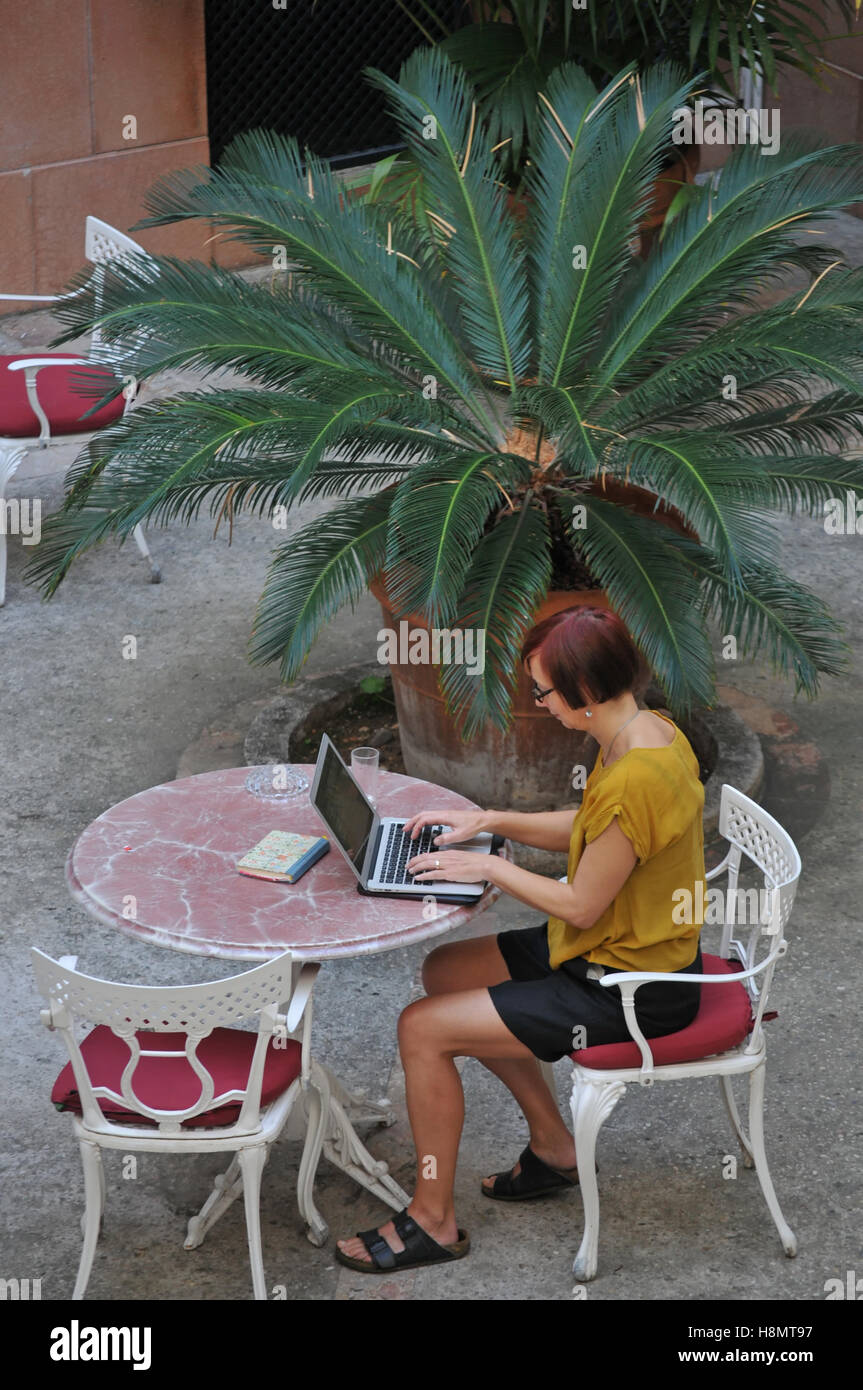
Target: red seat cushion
[[723, 1020], [169, 1083], [60, 395]]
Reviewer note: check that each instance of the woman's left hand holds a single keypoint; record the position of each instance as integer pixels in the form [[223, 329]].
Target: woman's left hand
[[457, 866]]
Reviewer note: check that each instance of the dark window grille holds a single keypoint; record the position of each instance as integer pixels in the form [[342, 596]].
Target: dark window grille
[[298, 70]]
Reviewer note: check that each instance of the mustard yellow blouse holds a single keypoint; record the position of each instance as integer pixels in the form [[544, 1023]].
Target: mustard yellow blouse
[[658, 800]]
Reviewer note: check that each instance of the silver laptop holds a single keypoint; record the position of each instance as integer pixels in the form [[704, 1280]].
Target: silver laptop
[[376, 847]]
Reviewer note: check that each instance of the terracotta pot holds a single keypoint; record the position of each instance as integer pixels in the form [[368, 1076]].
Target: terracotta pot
[[668, 184], [528, 768]]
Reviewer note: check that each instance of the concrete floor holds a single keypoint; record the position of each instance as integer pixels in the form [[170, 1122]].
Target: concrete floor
[[83, 728]]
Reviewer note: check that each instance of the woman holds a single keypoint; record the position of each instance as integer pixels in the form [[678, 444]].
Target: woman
[[521, 995]]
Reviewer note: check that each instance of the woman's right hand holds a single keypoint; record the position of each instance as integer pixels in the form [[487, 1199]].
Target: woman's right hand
[[465, 824]]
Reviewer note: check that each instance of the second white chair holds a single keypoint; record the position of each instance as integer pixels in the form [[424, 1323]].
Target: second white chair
[[40, 396], [166, 1071]]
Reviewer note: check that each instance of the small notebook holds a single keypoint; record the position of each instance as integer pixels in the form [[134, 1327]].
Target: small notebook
[[283, 857]]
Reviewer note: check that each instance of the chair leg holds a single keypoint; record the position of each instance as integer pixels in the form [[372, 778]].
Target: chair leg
[[2, 562], [94, 1191], [317, 1108], [155, 572], [252, 1166], [736, 1122], [756, 1134], [549, 1078], [591, 1102]]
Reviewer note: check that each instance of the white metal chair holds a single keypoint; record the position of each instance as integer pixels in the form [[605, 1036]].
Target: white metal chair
[[164, 1071], [725, 1040], [49, 406]]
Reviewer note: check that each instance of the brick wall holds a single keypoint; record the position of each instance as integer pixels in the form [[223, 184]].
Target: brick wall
[[72, 74]]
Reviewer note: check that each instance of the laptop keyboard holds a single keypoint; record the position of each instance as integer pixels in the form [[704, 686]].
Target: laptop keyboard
[[400, 848]]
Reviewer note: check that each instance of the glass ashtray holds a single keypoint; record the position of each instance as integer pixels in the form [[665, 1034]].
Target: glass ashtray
[[277, 782]]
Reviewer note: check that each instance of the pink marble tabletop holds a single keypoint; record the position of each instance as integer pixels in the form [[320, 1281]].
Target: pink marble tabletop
[[161, 866]]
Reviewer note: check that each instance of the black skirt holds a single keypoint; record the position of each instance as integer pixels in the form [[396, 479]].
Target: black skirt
[[543, 1008]]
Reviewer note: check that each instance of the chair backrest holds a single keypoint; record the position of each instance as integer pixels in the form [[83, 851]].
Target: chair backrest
[[764, 910], [103, 244], [191, 1009]]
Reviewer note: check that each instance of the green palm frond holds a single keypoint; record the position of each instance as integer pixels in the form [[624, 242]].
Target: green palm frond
[[160, 314], [768, 362], [718, 494], [313, 575], [772, 614], [436, 521], [832, 423], [506, 581], [582, 226], [723, 248], [655, 596], [436, 114], [804, 484], [277, 202], [164, 459], [507, 72]]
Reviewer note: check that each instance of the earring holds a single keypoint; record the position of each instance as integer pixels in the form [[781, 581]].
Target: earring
[[588, 714]]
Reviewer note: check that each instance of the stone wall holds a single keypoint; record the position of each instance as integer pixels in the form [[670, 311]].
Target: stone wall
[[99, 98]]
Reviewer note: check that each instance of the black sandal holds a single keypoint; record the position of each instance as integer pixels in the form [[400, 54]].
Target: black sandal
[[535, 1180], [420, 1249]]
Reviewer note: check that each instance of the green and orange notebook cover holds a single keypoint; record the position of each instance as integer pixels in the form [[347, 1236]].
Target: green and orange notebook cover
[[283, 857]]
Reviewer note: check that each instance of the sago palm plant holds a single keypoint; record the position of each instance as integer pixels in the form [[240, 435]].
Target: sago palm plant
[[466, 388]]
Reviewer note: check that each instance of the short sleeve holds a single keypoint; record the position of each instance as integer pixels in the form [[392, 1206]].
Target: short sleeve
[[628, 799]]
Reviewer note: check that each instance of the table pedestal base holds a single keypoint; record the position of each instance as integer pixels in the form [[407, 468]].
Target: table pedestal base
[[339, 1143]]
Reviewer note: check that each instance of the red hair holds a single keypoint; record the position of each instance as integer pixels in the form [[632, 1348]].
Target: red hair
[[588, 654]]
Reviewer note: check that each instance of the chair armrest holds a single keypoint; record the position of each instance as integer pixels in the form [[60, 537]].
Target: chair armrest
[[720, 868], [33, 298], [34, 363], [301, 995], [634, 978], [629, 981]]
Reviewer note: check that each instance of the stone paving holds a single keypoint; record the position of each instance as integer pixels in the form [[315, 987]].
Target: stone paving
[[83, 728]]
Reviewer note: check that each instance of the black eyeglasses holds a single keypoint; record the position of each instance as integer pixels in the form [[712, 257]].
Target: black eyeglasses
[[541, 694]]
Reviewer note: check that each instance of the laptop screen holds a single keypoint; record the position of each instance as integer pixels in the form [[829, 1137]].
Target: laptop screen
[[343, 807]]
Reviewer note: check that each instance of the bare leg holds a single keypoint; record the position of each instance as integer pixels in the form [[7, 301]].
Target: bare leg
[[457, 1022], [432, 1033], [475, 964]]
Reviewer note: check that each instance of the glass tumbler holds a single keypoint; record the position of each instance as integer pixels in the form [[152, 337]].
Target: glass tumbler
[[365, 764]]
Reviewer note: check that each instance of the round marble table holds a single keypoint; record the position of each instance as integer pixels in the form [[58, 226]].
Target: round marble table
[[161, 866]]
